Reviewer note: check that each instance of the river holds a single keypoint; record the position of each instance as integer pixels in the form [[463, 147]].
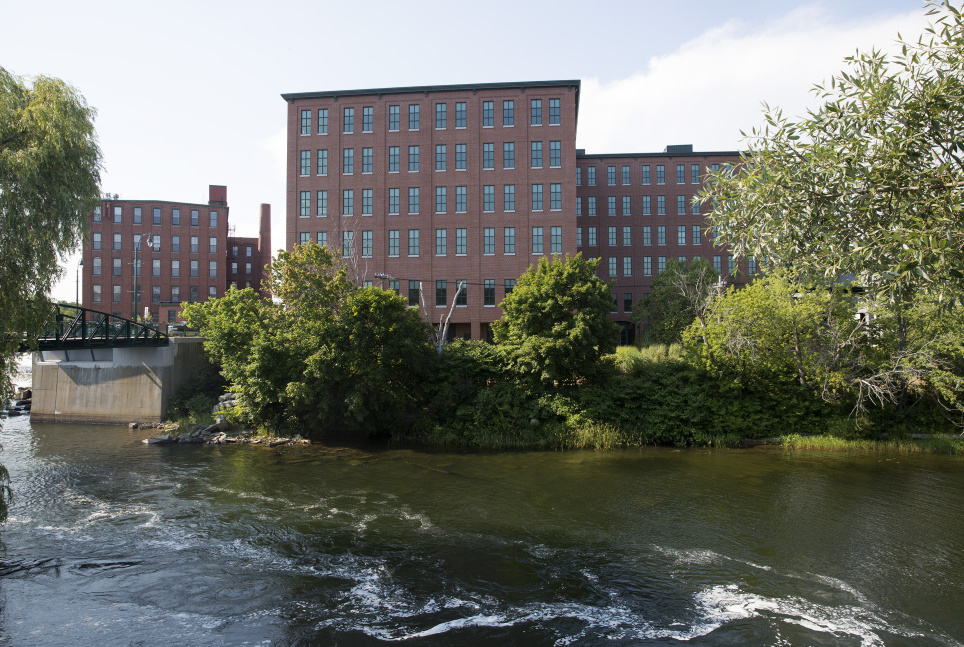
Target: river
[[113, 542]]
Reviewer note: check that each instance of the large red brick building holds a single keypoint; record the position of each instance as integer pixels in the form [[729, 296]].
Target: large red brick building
[[438, 185], [171, 251]]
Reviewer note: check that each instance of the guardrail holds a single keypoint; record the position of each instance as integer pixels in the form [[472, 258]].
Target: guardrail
[[76, 327]]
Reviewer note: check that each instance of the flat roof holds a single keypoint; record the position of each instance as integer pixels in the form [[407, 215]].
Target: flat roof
[[660, 154], [217, 205], [464, 87]]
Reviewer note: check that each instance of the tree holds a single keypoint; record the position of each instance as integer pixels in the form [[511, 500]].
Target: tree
[[556, 324], [680, 293], [49, 179], [869, 184], [774, 332], [327, 356]]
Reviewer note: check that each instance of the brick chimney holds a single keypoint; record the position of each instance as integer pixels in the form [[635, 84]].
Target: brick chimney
[[217, 195]]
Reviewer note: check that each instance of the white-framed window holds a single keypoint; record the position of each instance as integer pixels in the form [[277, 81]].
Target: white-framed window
[[321, 208], [413, 247], [441, 242]]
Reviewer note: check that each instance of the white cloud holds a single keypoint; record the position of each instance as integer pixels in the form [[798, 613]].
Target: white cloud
[[713, 86]]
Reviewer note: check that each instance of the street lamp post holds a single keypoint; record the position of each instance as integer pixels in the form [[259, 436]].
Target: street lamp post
[[137, 245], [80, 264]]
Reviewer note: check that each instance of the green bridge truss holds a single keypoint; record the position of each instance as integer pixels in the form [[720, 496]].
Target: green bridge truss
[[72, 327]]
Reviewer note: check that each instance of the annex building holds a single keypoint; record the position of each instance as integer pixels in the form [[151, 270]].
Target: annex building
[[144, 258], [426, 188]]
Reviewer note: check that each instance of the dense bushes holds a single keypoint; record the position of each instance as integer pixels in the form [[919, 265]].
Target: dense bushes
[[638, 398]]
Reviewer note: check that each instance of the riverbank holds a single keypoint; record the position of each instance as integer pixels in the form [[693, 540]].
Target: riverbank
[[910, 444]]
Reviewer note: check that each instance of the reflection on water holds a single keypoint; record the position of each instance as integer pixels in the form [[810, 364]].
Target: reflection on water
[[115, 542]]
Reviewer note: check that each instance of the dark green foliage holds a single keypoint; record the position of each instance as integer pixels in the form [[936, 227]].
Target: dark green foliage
[[464, 369], [330, 357], [556, 324], [370, 369], [675, 403], [196, 398], [678, 295]]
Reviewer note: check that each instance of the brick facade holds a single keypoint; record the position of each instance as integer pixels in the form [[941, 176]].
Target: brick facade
[[436, 184], [380, 175], [637, 211], [185, 259]]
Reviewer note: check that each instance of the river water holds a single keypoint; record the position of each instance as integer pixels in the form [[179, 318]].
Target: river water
[[113, 542]]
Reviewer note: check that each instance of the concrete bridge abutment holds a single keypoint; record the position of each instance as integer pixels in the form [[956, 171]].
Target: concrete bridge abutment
[[112, 386]]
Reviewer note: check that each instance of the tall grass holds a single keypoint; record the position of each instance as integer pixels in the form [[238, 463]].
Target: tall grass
[[629, 359], [899, 445]]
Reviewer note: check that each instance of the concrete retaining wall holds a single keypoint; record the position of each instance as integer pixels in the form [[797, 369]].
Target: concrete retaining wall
[[120, 386]]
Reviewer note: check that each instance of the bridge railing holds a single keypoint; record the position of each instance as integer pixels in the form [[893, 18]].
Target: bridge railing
[[76, 327]]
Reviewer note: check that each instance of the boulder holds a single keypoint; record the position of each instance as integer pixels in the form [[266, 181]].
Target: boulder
[[133, 425], [159, 440]]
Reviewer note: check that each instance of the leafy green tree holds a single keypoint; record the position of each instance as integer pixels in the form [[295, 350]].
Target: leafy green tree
[[49, 179], [914, 369], [556, 324], [871, 183], [679, 294], [327, 355], [774, 332]]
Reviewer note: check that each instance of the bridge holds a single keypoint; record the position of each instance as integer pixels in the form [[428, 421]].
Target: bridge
[[72, 327], [92, 366]]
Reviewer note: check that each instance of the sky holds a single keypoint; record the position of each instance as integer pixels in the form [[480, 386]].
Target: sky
[[187, 94]]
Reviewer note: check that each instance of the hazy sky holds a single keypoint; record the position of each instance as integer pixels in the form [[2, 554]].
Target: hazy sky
[[188, 93]]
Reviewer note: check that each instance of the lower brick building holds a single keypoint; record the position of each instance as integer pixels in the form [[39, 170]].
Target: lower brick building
[[143, 258], [634, 212]]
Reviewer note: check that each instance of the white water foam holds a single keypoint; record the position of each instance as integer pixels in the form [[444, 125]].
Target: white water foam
[[724, 604]]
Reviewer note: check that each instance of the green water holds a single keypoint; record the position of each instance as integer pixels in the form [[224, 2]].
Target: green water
[[113, 542]]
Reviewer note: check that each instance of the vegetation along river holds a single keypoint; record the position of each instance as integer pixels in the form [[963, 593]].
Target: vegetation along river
[[113, 542]]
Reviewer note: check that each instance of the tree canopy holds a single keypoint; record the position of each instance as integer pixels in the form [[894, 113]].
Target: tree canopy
[[679, 294], [871, 183], [49, 184], [556, 324], [327, 356]]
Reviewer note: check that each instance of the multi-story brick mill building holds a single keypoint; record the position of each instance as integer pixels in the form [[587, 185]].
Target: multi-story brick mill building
[[424, 188], [437, 185], [152, 255], [636, 211]]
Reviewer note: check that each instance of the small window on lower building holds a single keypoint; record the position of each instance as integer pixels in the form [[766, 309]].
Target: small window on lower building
[[413, 293]]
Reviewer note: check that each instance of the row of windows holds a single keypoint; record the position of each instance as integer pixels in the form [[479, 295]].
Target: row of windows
[[414, 158], [154, 242], [461, 109], [461, 288], [626, 202], [537, 200], [612, 264], [117, 267], [117, 293], [156, 216], [539, 241], [696, 235], [625, 174]]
